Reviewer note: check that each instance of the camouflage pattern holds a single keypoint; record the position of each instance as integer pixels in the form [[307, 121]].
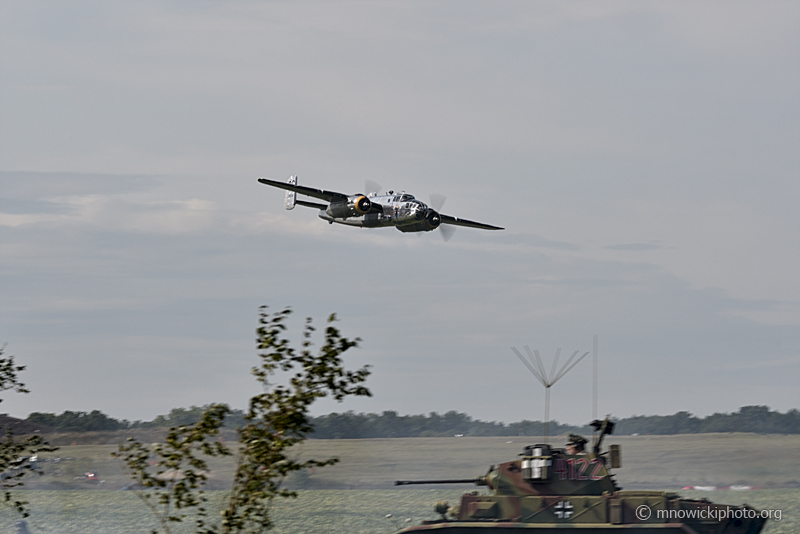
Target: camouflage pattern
[[550, 491]]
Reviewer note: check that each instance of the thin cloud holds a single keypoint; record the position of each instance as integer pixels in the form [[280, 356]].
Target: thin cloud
[[635, 247], [533, 240], [649, 193]]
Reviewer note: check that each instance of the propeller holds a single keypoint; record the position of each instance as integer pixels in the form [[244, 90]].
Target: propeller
[[371, 186], [437, 201]]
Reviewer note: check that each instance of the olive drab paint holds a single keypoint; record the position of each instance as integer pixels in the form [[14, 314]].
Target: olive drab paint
[[546, 490]]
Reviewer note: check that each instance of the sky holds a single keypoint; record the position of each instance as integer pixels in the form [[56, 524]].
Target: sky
[[643, 158]]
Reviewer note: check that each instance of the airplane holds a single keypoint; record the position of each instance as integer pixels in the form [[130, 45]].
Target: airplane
[[375, 210]]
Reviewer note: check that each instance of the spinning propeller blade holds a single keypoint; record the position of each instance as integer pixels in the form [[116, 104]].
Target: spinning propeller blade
[[371, 186], [437, 201], [447, 232]]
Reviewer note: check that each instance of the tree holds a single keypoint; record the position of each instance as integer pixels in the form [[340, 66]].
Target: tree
[[276, 420], [15, 454], [180, 472], [70, 421]]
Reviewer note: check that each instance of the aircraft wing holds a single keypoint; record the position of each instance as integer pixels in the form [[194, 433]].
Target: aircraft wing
[[329, 196], [448, 219], [315, 205]]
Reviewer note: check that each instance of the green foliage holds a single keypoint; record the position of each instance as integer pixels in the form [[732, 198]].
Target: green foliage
[[188, 416], [77, 421], [276, 420], [15, 455], [350, 425], [389, 424], [757, 419], [8, 374], [97, 421], [181, 416], [16, 462], [174, 484]]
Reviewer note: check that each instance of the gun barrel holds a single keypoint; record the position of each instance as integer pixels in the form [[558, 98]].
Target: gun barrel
[[452, 481]]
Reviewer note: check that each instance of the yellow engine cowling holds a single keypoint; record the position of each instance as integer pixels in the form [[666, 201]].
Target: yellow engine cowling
[[352, 207]]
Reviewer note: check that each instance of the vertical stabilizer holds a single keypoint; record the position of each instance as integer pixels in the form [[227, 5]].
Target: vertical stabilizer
[[291, 196]]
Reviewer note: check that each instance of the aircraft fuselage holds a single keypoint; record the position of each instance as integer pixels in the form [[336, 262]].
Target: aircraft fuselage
[[397, 210], [400, 210]]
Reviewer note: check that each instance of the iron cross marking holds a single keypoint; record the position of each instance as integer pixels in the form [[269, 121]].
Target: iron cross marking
[[563, 509]]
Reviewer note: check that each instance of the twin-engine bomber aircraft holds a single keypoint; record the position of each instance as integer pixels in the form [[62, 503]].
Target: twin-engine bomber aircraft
[[374, 210]]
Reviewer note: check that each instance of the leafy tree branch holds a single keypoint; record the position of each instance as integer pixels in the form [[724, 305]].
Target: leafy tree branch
[[17, 457], [174, 483], [8, 374], [276, 420]]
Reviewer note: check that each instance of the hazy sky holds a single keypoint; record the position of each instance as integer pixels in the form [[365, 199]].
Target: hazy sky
[[644, 158]]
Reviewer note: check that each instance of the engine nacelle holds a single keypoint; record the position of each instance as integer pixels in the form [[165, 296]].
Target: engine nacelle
[[431, 222], [352, 207]]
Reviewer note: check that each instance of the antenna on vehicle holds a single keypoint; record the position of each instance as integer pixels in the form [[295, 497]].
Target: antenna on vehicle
[[536, 367]]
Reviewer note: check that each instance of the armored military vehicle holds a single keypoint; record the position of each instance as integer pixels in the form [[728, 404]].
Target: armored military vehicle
[[558, 491]]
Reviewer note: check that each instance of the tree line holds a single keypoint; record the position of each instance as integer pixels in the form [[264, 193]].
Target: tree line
[[389, 424], [171, 476]]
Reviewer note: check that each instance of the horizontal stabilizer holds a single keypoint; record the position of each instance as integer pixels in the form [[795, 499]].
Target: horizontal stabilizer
[[328, 196]]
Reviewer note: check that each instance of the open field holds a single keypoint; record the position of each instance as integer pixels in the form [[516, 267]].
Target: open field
[[673, 462], [314, 511], [355, 495]]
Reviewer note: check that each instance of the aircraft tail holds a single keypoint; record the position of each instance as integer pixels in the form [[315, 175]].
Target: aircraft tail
[[291, 197]]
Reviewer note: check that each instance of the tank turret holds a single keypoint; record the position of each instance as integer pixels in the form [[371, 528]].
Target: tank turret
[[551, 490]]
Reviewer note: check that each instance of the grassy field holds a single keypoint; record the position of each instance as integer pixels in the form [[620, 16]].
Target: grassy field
[[647, 461], [314, 511], [355, 495]]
